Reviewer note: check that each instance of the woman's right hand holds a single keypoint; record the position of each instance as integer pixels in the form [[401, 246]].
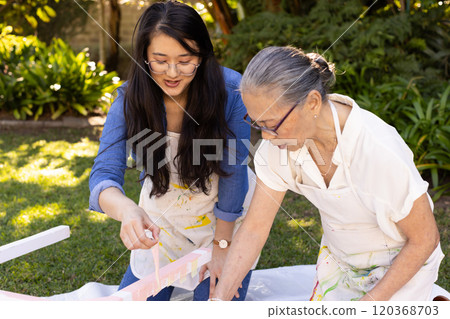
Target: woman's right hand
[[132, 232]]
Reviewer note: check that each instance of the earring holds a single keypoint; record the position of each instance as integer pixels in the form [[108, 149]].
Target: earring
[[145, 61], [315, 116]]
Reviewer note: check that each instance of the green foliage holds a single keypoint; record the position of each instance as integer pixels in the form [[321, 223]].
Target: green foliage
[[423, 122], [26, 15], [383, 44], [425, 126], [65, 11], [393, 64], [37, 79], [257, 32], [251, 7]]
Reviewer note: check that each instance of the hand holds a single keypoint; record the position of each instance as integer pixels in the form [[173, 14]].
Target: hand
[[215, 269], [366, 298], [132, 231], [373, 296]]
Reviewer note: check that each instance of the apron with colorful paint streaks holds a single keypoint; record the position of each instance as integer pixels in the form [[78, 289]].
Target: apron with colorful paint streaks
[[355, 253], [186, 219]]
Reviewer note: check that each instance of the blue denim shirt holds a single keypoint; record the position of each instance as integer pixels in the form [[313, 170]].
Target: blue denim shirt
[[111, 163]]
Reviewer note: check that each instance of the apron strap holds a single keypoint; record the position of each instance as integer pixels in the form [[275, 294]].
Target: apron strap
[[347, 167]]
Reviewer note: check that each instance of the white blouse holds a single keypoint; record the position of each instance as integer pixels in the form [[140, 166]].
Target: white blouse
[[381, 167]]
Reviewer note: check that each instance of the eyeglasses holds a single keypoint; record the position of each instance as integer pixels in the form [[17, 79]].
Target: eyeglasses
[[272, 131], [182, 68]]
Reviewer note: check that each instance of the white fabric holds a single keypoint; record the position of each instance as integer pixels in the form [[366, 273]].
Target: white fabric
[[186, 219], [284, 283], [359, 208]]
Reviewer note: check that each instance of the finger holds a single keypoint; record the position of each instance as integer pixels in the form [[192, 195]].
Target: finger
[[134, 240], [153, 228], [212, 284], [126, 234], [201, 273], [144, 241], [126, 241], [237, 295], [127, 238]]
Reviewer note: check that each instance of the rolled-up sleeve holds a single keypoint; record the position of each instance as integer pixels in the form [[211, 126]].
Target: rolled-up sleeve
[[233, 188], [111, 161]]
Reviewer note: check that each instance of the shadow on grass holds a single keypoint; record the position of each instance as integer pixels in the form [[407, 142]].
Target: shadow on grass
[[27, 208], [93, 246]]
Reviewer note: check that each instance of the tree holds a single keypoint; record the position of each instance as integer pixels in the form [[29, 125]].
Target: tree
[[114, 28], [222, 14], [25, 15]]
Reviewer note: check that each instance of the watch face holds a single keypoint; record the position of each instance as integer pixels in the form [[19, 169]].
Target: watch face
[[223, 243]]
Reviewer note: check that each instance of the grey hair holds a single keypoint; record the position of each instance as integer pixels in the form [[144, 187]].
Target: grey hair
[[289, 70]]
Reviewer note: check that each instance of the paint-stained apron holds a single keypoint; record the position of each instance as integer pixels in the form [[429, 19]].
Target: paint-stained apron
[[186, 219], [355, 253]]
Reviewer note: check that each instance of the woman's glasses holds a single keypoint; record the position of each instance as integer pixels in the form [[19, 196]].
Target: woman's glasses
[[272, 131], [182, 68]]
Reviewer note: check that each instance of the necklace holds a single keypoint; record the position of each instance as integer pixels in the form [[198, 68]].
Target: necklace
[[331, 160]]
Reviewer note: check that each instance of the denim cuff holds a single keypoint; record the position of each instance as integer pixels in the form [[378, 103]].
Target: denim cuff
[[93, 198], [227, 216]]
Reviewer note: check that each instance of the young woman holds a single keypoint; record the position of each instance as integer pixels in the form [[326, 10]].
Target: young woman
[[177, 95], [380, 240]]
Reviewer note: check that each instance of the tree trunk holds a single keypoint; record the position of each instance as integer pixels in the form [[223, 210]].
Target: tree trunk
[[223, 15], [114, 28], [273, 5], [210, 10], [102, 45]]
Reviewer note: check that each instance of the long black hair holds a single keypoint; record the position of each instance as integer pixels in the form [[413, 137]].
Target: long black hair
[[206, 99]]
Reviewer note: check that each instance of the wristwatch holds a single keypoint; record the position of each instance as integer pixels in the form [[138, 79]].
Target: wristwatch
[[223, 243]]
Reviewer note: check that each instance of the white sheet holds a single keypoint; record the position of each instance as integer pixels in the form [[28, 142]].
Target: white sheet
[[284, 283]]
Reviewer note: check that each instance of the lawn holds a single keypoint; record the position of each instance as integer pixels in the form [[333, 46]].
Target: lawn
[[44, 183]]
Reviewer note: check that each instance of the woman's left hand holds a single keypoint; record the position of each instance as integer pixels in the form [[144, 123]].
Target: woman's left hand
[[215, 268], [366, 298]]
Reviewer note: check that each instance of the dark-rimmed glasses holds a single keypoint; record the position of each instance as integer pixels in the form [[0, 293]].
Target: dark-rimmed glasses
[[182, 68], [272, 131]]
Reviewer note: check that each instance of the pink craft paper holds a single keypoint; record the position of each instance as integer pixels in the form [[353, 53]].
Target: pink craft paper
[[145, 287], [155, 253], [17, 296]]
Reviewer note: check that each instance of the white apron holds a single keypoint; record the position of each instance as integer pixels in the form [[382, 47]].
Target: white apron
[[355, 253], [186, 219]]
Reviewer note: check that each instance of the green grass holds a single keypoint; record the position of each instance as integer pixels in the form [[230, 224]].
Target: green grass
[[44, 183]]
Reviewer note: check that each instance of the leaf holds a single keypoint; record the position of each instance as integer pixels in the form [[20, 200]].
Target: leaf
[[50, 12], [430, 109], [31, 20], [443, 104], [440, 190], [61, 109], [27, 110], [82, 110], [419, 110], [42, 15], [39, 112], [435, 177], [16, 114]]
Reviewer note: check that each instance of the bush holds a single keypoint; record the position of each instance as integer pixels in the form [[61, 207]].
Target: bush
[[424, 123], [381, 43], [37, 79], [393, 64]]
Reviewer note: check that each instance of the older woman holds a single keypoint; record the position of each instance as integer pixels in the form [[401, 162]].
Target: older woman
[[380, 240]]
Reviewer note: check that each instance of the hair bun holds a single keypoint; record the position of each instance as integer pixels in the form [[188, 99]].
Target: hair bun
[[326, 70]]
